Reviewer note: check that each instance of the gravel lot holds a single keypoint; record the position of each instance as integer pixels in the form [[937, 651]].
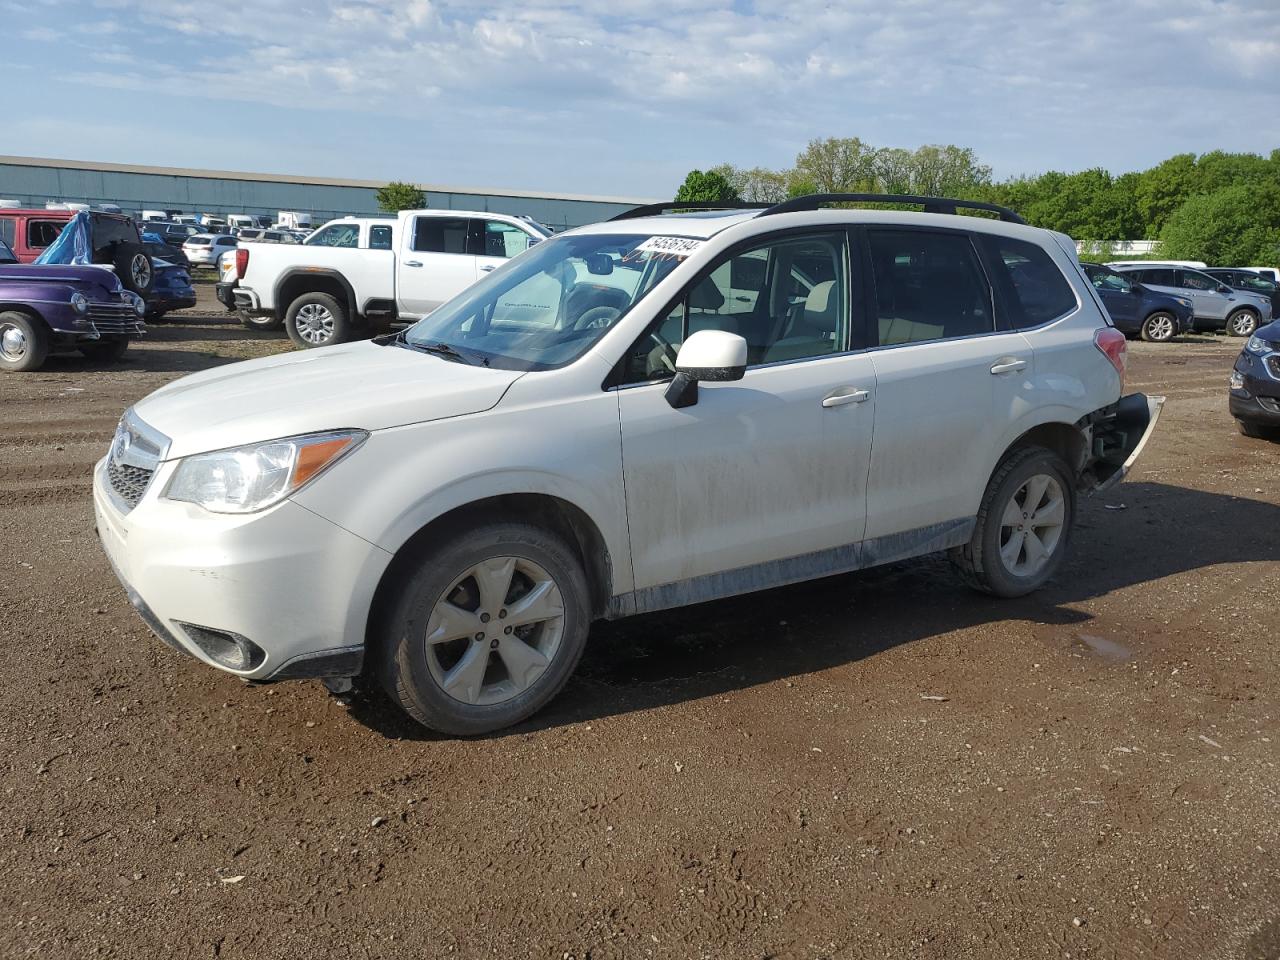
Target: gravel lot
[[875, 765]]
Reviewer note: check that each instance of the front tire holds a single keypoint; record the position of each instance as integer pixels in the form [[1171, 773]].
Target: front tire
[[106, 350], [317, 320], [1023, 527], [1159, 327], [1243, 323], [487, 628], [24, 342]]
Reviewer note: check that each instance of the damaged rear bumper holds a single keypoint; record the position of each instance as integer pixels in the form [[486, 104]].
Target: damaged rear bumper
[[1118, 434]]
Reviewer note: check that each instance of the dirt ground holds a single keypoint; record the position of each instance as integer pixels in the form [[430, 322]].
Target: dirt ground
[[875, 765]]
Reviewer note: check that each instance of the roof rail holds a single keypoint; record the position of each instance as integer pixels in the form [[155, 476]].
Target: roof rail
[[931, 204], [653, 209]]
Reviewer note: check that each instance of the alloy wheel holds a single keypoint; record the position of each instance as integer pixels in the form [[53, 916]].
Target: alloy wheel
[[314, 323], [1160, 327], [1032, 524], [1244, 323], [495, 631], [140, 269]]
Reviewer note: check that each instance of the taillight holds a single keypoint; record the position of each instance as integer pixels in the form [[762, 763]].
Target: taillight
[[1115, 346], [242, 261]]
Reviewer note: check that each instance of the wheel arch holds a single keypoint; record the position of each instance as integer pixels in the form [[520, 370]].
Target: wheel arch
[[1067, 440], [28, 310], [550, 512], [302, 280]]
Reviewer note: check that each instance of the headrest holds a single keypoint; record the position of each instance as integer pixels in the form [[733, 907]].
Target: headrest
[[706, 296]]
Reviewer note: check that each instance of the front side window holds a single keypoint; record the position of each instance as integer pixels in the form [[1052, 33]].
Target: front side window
[[1038, 290], [928, 286], [1191, 280], [495, 239], [787, 298], [549, 306], [1108, 280], [380, 237], [337, 235], [440, 234]]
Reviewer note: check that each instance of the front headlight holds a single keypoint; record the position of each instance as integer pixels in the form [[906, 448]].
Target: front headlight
[[1258, 346], [252, 478], [79, 302], [139, 305], [1185, 301]]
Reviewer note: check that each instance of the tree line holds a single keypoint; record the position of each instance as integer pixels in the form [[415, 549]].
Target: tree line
[[1218, 207]]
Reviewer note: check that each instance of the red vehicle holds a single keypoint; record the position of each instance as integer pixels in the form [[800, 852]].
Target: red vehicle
[[28, 232]]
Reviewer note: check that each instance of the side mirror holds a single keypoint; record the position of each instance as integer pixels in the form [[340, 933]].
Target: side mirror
[[1223, 288], [715, 356]]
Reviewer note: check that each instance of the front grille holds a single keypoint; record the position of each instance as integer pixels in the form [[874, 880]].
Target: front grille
[[115, 318], [129, 483], [1268, 404]]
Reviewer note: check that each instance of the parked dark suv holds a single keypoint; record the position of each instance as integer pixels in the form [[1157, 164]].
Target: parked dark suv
[[1139, 311], [1255, 385]]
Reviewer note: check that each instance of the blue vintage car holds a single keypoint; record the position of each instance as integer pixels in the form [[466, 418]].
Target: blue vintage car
[[46, 309]]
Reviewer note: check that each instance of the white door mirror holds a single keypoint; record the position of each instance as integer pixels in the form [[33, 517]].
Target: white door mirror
[[711, 355]]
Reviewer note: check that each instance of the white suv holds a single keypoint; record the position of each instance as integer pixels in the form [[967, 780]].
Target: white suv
[[631, 416]]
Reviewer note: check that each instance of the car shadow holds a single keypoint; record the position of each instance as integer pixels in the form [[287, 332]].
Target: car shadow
[[1135, 533]]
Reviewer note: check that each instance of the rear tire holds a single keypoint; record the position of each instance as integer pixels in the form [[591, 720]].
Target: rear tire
[[24, 342], [264, 323], [317, 320], [1017, 545], [508, 606], [1258, 431], [1243, 323], [106, 350], [1159, 327]]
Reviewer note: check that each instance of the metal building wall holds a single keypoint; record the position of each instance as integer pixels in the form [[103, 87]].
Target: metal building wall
[[33, 182]]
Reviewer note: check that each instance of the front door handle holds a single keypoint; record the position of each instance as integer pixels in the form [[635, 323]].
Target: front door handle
[[1008, 365], [413, 263], [845, 395]]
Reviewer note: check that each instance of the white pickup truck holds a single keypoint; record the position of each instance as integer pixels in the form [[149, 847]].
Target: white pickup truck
[[355, 276]]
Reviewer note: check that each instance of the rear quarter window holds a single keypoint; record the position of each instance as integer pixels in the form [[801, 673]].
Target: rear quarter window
[[1035, 289], [8, 230]]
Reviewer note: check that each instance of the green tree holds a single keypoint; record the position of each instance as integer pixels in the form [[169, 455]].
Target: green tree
[[397, 196], [1164, 188], [709, 187], [835, 165], [757, 184], [1234, 225]]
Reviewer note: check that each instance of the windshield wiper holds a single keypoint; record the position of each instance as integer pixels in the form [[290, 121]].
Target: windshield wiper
[[440, 349]]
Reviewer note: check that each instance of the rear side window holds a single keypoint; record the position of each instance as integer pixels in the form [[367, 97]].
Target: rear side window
[[109, 231], [928, 286], [440, 234], [1159, 278], [1036, 289], [41, 233], [380, 238]]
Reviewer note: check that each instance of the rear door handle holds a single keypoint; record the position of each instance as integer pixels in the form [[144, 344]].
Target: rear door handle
[[845, 395], [413, 263], [1008, 365]]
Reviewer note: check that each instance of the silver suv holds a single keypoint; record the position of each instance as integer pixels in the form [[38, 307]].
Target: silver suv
[[1216, 305]]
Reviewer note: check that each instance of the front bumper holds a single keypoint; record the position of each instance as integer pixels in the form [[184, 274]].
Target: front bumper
[[296, 586], [1257, 399]]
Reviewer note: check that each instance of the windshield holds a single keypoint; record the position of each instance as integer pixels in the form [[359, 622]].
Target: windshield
[[549, 305]]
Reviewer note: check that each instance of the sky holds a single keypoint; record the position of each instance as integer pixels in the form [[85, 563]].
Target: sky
[[624, 97]]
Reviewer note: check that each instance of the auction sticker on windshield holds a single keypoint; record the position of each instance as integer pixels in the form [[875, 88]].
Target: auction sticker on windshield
[[679, 246]]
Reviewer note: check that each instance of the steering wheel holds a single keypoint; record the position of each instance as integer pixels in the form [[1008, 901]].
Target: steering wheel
[[597, 318], [666, 352]]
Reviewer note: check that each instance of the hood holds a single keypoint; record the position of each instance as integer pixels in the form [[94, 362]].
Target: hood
[[53, 273], [359, 385]]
